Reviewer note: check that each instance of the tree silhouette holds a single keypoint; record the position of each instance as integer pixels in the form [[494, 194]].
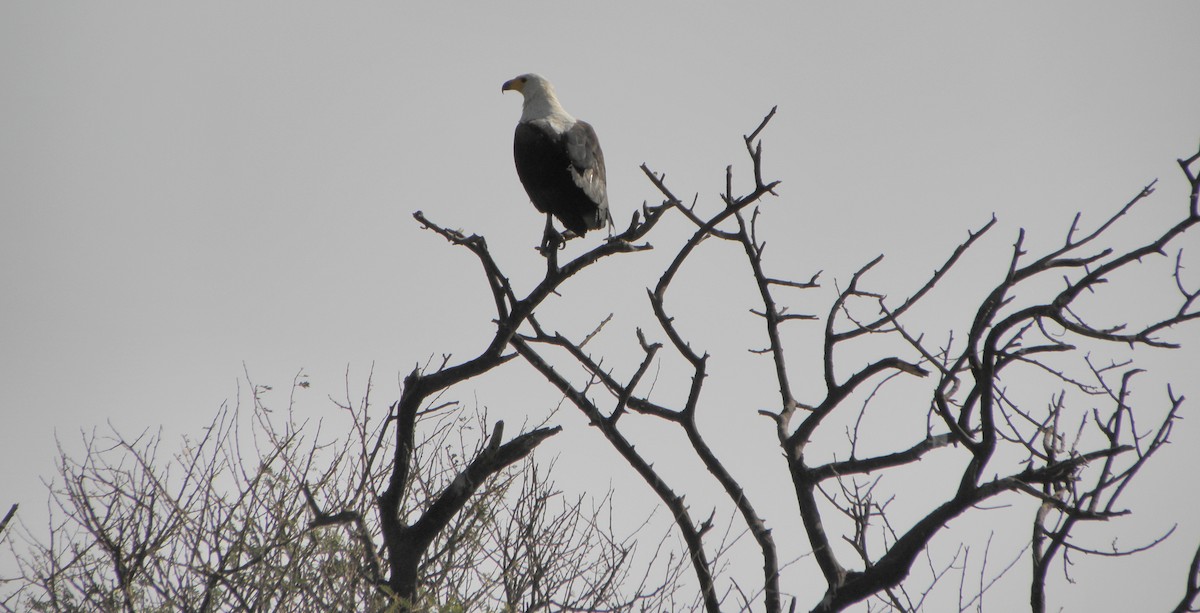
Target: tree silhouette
[[384, 519], [1076, 465]]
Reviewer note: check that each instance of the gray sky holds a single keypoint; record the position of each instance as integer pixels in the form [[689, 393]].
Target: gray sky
[[190, 189]]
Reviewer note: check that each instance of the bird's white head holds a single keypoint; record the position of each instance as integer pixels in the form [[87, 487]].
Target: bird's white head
[[529, 85], [540, 100]]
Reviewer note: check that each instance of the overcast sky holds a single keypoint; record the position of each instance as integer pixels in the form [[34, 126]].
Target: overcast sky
[[192, 191]]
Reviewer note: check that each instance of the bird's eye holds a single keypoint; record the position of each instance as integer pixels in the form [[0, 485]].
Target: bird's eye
[[523, 79]]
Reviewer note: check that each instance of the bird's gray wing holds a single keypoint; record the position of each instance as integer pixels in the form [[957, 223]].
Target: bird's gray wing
[[587, 164]]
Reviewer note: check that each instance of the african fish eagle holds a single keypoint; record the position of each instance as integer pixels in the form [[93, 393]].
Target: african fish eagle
[[558, 159]]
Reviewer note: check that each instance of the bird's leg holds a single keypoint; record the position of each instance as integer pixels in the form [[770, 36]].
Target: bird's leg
[[551, 240]]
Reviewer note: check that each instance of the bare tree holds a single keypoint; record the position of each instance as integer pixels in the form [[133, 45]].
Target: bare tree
[[1075, 462], [381, 521], [234, 521]]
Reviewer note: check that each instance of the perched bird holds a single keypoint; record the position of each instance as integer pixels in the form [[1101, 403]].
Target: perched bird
[[558, 159]]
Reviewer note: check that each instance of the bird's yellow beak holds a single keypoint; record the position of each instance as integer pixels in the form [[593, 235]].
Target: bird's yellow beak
[[516, 85]]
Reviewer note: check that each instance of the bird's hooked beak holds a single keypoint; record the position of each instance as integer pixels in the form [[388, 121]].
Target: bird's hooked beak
[[517, 85]]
